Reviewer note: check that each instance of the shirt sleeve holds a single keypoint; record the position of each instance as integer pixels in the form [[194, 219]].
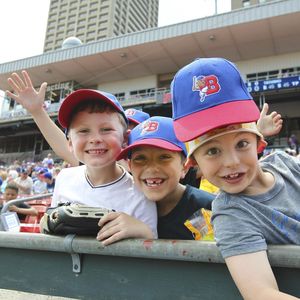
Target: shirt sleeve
[[235, 229]]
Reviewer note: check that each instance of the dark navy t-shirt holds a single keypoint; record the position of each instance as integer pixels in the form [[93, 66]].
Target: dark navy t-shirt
[[172, 225]]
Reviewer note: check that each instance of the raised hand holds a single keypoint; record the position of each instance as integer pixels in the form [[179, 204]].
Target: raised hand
[[270, 124], [25, 94]]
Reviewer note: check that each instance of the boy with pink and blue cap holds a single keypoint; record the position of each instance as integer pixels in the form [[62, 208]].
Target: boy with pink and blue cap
[[135, 117], [157, 163], [258, 200]]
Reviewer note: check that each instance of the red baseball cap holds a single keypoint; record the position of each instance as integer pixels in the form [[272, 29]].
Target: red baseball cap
[[78, 96]]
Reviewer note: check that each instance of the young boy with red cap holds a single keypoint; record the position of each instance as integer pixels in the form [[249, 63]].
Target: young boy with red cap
[[258, 201], [97, 131], [156, 161], [33, 101], [96, 127]]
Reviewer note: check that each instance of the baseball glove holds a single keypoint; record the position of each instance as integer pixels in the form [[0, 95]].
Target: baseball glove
[[71, 218]]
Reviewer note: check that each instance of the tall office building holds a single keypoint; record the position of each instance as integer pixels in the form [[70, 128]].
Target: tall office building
[[92, 20]]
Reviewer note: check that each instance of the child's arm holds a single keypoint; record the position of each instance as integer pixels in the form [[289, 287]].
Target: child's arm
[[33, 101], [270, 124], [30, 211], [118, 226], [254, 277]]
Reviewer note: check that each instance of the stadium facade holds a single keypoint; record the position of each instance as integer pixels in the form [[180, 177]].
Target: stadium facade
[[262, 40]]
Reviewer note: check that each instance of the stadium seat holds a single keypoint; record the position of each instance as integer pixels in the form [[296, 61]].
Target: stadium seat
[[31, 223]]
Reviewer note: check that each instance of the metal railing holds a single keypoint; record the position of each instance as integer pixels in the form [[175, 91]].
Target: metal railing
[[155, 96], [21, 200]]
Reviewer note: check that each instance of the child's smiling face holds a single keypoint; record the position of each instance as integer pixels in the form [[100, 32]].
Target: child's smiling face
[[230, 162], [96, 138], [157, 171]]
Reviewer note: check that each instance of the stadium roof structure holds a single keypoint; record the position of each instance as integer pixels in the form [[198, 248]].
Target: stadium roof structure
[[268, 29]]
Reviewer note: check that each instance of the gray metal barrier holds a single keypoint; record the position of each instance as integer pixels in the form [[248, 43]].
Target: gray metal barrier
[[82, 268]]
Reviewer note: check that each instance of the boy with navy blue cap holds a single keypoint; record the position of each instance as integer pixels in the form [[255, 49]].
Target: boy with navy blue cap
[[135, 117], [258, 201], [156, 160]]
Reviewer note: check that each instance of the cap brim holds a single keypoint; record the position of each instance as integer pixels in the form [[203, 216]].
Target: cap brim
[[149, 142], [189, 127], [74, 99], [133, 120]]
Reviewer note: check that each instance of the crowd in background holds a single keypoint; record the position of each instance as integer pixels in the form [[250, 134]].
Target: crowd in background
[[31, 177]]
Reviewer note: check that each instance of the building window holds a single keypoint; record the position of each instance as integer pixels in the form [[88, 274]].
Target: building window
[[246, 3], [120, 96]]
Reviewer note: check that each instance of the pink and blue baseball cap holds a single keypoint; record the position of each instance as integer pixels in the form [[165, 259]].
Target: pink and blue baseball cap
[[155, 131], [78, 96], [209, 93], [136, 116]]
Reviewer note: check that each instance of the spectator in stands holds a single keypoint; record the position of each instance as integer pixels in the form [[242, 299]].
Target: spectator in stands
[[48, 160], [49, 180], [8, 176], [3, 176], [23, 182], [50, 167], [22, 209], [30, 168], [39, 185], [135, 117], [293, 143], [56, 171]]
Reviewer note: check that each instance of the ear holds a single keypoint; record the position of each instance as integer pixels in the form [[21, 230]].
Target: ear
[[185, 169], [70, 145], [125, 139], [129, 164], [261, 145], [190, 162]]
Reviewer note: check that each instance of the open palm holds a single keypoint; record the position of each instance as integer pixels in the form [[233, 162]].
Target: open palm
[[24, 93], [270, 124]]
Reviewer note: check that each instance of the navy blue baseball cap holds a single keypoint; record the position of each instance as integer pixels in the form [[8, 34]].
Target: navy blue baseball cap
[[136, 116], [155, 131], [76, 97], [23, 171], [209, 93], [47, 175]]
